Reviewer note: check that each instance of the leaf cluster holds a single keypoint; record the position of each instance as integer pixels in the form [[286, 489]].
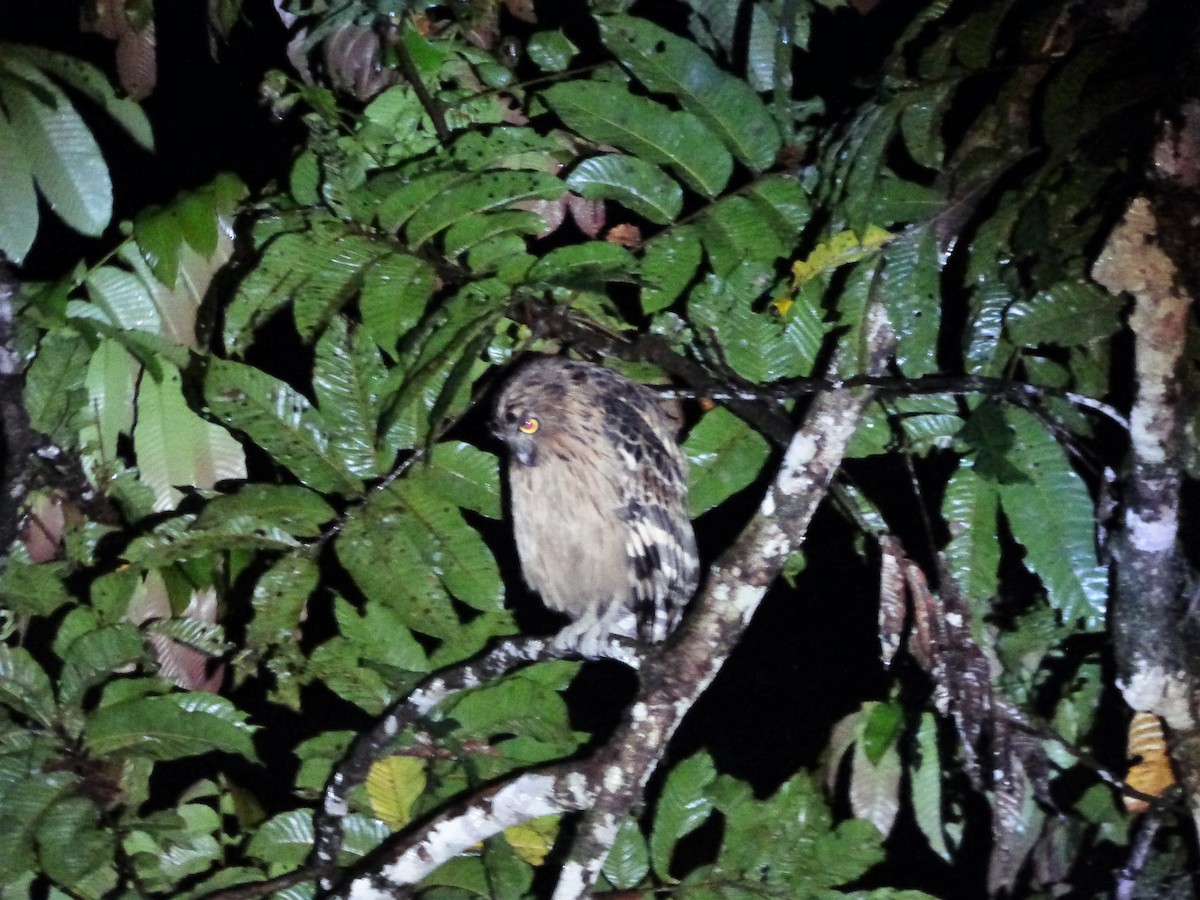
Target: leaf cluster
[[281, 405]]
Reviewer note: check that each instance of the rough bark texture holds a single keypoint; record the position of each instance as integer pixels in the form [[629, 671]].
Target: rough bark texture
[[1156, 641]]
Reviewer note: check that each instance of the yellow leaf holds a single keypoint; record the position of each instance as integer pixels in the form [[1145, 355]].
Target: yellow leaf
[[393, 786], [781, 306], [532, 840], [841, 249]]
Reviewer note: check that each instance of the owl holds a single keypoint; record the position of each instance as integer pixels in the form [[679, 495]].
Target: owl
[[598, 489]]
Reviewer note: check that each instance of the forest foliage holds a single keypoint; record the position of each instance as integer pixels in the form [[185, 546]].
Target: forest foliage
[[266, 506]]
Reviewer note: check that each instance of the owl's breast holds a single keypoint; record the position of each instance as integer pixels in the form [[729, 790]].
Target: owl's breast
[[570, 538]]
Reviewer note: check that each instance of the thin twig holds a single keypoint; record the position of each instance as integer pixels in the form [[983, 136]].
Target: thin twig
[[432, 106], [1139, 853]]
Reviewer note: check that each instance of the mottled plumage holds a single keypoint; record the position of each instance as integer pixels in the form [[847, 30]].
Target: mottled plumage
[[599, 500]]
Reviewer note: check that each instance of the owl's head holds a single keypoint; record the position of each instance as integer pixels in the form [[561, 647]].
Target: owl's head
[[532, 409]]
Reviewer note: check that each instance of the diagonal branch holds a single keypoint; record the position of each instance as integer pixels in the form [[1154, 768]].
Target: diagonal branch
[[675, 679], [611, 782]]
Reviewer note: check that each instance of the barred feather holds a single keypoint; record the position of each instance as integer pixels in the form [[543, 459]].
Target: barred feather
[[598, 489]]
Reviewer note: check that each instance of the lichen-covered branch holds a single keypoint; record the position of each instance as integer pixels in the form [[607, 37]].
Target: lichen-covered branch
[[610, 783], [1155, 646], [675, 679], [352, 770]]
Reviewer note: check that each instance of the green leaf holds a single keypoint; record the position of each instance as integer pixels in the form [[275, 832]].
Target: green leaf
[[281, 421], [410, 549], [280, 599], [25, 687], [65, 159], [469, 232], [608, 114], [285, 840], [34, 589], [336, 665], [880, 730], [855, 163], [395, 292], [72, 840], [170, 727], [318, 270], [18, 201], [24, 804], [669, 263], [1052, 516], [347, 378], [735, 230], [180, 538], [926, 787], [111, 379], [756, 345], [449, 341], [1069, 314], [636, 185], [54, 386], [912, 292], [787, 842], [523, 717], [377, 633], [510, 148], [458, 555], [682, 808], [92, 83], [175, 446], [125, 297], [175, 844], [551, 51], [484, 192], [585, 265], [784, 203], [290, 508], [668, 64], [970, 508], [466, 476], [724, 455], [398, 206], [921, 124], [94, 656], [628, 860]]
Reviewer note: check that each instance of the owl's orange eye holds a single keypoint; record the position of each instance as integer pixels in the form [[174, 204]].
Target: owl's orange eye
[[529, 426]]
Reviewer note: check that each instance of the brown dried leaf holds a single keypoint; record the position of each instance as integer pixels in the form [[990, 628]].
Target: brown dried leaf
[[624, 234], [189, 667], [352, 59], [588, 214], [553, 212], [137, 62], [521, 9], [42, 530]]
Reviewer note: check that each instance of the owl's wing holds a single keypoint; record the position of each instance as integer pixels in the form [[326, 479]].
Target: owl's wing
[[661, 545]]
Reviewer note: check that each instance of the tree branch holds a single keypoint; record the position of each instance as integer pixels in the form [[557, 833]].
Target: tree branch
[[611, 782], [673, 680], [369, 746], [1154, 635]]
